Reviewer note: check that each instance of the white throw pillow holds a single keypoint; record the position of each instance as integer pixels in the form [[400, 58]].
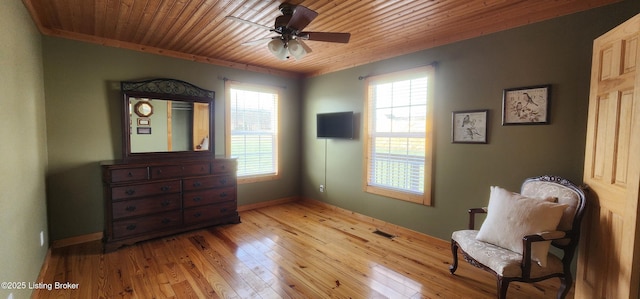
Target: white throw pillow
[[511, 216]]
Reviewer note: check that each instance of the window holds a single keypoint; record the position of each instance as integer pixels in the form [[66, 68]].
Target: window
[[252, 130], [398, 141]]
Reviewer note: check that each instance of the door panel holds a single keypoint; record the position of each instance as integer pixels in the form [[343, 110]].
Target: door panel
[[608, 256], [200, 126]]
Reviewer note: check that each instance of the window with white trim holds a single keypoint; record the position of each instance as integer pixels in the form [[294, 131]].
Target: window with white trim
[[252, 130], [398, 135]]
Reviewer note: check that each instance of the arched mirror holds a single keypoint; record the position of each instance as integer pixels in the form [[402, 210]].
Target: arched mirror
[[166, 118]]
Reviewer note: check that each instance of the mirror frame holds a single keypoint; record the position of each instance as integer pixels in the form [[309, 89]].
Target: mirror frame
[[171, 90]]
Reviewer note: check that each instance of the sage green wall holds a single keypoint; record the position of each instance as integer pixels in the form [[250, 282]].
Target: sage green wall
[[83, 124], [470, 75], [23, 149], [157, 140]]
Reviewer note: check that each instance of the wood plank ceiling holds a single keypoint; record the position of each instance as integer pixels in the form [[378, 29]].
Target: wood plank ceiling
[[198, 30]]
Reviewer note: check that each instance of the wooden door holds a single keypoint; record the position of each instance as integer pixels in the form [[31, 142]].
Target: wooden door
[[609, 255], [169, 126]]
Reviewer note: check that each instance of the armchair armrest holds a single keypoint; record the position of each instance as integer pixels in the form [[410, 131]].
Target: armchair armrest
[[472, 216], [526, 246], [552, 235]]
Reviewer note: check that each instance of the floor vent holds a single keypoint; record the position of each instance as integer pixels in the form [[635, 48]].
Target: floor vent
[[384, 234]]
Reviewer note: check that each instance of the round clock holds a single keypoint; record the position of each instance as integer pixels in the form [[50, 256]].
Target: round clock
[[143, 109]]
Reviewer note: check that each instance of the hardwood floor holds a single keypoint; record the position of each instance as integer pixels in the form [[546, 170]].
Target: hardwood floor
[[294, 250]]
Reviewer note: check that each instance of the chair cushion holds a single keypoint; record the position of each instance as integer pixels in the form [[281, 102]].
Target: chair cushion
[[504, 262], [511, 216]]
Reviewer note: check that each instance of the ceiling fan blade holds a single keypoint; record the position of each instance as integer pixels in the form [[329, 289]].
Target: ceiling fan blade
[[334, 37], [304, 46], [248, 22], [301, 17], [259, 41]]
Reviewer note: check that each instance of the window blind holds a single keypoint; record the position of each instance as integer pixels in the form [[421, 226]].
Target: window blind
[[397, 127], [254, 120]]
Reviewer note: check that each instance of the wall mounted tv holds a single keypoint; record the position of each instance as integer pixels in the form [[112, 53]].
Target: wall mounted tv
[[335, 125]]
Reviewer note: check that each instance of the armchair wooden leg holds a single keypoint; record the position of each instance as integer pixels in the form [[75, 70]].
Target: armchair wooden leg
[[565, 286], [503, 285], [454, 252]]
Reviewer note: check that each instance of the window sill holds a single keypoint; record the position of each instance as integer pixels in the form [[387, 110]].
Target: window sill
[[258, 178], [422, 199]]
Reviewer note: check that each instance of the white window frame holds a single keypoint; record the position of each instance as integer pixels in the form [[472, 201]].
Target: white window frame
[[242, 179], [423, 197]]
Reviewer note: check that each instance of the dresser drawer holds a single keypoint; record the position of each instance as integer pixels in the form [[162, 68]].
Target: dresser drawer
[[145, 206], [140, 225], [209, 196], [209, 212], [182, 170], [144, 190], [209, 182], [223, 166], [129, 174]]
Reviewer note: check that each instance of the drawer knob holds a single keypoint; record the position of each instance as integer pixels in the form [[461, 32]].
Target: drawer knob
[[165, 188], [130, 191], [130, 174], [197, 184], [197, 214], [223, 181], [131, 227], [130, 208], [165, 203], [197, 199], [223, 167], [223, 210], [166, 221], [223, 194]]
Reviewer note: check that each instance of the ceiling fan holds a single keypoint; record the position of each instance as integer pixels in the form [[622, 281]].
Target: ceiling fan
[[291, 38]]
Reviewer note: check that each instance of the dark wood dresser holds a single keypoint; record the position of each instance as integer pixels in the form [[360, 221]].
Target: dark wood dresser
[[145, 200]]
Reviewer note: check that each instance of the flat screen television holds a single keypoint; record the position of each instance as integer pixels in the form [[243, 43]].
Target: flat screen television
[[335, 125]]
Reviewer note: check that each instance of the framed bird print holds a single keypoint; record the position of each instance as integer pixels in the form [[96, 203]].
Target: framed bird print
[[469, 126], [526, 105]]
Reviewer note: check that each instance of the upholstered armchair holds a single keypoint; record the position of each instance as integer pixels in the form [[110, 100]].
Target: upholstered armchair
[[514, 240]]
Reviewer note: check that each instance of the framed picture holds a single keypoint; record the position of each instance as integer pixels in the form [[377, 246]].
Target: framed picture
[[526, 105], [469, 126], [144, 130], [144, 121]]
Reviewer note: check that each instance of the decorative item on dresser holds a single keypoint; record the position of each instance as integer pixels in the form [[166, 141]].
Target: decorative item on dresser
[[169, 181], [145, 200]]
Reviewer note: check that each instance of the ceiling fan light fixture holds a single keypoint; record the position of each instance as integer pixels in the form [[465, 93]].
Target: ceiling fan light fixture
[[296, 49], [290, 26], [277, 48]]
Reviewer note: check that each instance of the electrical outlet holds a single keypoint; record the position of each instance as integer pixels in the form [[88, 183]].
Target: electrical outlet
[[321, 188], [41, 238]]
